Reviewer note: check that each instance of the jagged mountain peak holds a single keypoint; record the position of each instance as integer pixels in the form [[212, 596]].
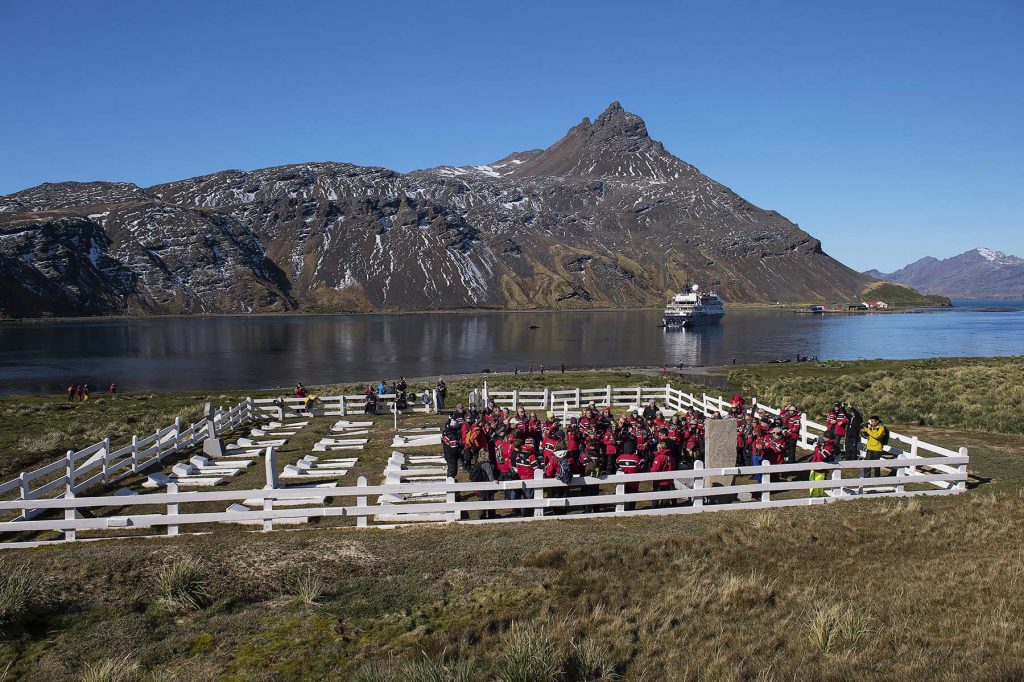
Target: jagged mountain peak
[[615, 145]]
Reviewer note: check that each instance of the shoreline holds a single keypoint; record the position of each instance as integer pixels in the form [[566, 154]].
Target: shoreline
[[445, 311]]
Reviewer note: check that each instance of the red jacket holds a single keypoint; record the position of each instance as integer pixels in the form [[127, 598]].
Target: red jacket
[[837, 422], [611, 443], [526, 463], [503, 456], [774, 449], [628, 463], [662, 462]]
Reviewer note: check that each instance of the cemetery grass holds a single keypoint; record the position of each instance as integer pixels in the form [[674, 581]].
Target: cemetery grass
[[919, 588]]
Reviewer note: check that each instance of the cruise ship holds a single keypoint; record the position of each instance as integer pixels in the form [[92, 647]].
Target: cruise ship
[[692, 308]]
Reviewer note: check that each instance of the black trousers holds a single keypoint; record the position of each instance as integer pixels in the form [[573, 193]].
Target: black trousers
[[451, 459]]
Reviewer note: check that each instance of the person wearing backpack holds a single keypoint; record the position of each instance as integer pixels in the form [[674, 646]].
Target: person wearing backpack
[[560, 466], [878, 437]]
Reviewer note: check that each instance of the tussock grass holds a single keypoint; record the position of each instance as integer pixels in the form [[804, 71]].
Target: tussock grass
[[124, 669], [182, 584], [308, 587], [766, 520], [836, 626], [22, 590], [983, 394], [530, 654]]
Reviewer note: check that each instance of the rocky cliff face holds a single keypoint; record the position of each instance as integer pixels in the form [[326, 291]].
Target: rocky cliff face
[[978, 273], [604, 217]]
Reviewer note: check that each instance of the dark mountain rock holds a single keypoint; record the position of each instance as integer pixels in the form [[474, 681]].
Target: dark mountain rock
[[978, 273], [604, 217]]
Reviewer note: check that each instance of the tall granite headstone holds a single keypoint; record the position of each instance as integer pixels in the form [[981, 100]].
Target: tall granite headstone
[[719, 448]]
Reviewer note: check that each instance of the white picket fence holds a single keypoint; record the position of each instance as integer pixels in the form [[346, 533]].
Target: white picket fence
[[100, 464], [916, 468], [338, 405]]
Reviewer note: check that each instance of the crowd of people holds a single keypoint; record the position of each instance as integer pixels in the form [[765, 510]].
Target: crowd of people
[[495, 443]]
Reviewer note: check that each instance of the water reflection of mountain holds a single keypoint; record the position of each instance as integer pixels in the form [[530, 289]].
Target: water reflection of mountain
[[266, 351]]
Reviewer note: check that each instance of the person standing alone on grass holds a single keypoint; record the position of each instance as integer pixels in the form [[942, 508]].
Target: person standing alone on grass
[[112, 390], [440, 393], [71, 393]]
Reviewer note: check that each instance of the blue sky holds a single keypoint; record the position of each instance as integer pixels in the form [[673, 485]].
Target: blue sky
[[889, 130]]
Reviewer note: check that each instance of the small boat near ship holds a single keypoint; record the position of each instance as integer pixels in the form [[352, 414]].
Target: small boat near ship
[[692, 308]]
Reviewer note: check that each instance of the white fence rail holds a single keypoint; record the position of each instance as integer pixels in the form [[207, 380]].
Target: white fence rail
[[338, 405], [690, 493], [915, 468], [99, 464]]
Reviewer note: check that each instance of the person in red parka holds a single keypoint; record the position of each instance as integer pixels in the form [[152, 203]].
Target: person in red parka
[[662, 462], [503, 450], [525, 462], [610, 441], [838, 420], [775, 446], [629, 463]]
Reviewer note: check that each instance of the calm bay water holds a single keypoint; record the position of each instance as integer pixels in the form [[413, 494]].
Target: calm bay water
[[265, 351]]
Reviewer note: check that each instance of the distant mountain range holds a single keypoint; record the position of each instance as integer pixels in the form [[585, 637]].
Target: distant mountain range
[[978, 274], [605, 217]]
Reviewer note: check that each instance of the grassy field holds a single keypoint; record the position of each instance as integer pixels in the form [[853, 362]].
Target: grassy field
[[928, 588], [978, 394]]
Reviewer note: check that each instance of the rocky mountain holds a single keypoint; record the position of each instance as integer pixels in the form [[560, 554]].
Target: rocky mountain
[[603, 217], [978, 274]]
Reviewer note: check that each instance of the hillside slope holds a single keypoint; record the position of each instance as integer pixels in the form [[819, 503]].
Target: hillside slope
[[603, 217]]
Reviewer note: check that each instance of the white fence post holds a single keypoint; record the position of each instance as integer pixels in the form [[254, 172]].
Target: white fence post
[[698, 484], [361, 502], [962, 485], [177, 433], [106, 460], [70, 471], [913, 453], [668, 396], [538, 493], [766, 478], [515, 399], [268, 506], [579, 398], [608, 394], [803, 430], [450, 499], [639, 397], [135, 454], [69, 515], [172, 507], [341, 404], [620, 489], [901, 471], [704, 403], [547, 400]]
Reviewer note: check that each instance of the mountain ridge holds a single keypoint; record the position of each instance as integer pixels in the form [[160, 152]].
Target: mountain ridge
[[603, 217], [978, 273]]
